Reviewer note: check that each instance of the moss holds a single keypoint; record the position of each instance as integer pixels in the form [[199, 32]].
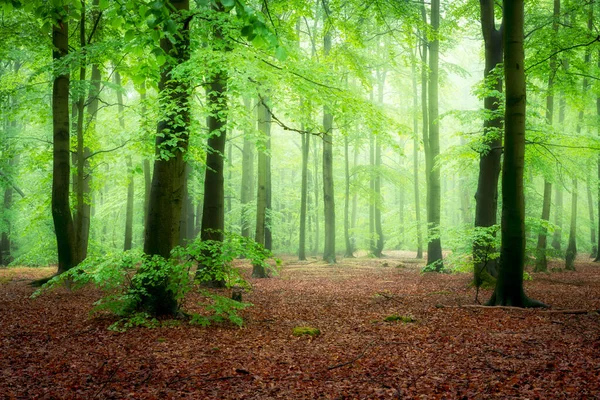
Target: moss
[[402, 318], [306, 330]]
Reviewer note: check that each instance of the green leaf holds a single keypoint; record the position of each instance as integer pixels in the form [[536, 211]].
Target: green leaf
[[281, 53], [129, 35], [103, 5], [228, 3]]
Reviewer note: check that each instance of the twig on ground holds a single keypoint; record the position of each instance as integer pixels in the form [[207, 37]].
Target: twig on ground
[[361, 355]]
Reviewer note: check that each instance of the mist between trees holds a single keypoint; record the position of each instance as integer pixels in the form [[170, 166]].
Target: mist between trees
[[322, 129]]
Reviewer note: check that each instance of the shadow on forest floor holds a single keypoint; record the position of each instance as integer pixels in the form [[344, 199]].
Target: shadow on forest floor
[[52, 349]]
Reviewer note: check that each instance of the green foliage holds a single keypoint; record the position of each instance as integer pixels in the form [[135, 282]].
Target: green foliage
[[139, 287]]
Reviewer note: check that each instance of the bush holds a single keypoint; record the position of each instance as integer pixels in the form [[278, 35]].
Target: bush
[[138, 287]]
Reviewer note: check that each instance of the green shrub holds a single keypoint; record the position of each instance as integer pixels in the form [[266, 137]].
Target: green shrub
[[138, 287]]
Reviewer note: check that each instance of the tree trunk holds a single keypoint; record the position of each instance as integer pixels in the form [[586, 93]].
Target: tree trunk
[[571, 252], [247, 192], [61, 169], [486, 197], [268, 201], [558, 220], [328, 194], [349, 253], [264, 126], [303, 196], [598, 161], [509, 286], [186, 220], [434, 245], [594, 251], [541, 264], [379, 198], [130, 188], [416, 158], [316, 203], [166, 193]]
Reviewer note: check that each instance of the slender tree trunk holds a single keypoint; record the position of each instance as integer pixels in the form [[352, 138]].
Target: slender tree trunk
[[353, 215], [264, 126], [349, 249], [186, 220], [247, 192], [61, 169], [558, 220], [401, 207], [541, 260], [317, 202], [303, 196], [592, 218], [130, 185], [434, 246], [328, 194], [571, 252], [378, 196], [509, 286], [416, 159], [541, 264], [486, 197], [372, 237], [269, 191], [598, 162]]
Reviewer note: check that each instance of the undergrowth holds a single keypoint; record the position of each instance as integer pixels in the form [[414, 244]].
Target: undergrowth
[[139, 288]]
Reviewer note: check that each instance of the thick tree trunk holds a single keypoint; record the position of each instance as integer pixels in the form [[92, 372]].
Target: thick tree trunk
[[509, 286], [571, 252], [61, 169], [486, 197], [247, 192], [434, 245], [264, 126], [166, 194]]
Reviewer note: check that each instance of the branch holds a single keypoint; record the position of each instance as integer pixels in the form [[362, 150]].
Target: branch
[[361, 355], [107, 151], [597, 39], [12, 184], [284, 126], [301, 76]]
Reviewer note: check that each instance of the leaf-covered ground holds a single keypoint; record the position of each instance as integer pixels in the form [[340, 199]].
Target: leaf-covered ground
[[51, 349]]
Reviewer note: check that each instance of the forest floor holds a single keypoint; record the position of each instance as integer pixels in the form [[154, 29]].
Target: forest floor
[[51, 349]]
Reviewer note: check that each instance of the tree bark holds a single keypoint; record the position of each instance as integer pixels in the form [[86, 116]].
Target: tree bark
[[571, 252], [61, 169], [594, 251], [378, 197], [247, 192], [264, 126], [303, 196], [486, 197], [349, 253], [434, 245], [328, 194], [128, 242], [598, 162], [509, 286]]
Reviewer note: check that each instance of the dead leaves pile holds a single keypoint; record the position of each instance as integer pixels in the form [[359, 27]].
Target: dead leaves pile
[[51, 348]]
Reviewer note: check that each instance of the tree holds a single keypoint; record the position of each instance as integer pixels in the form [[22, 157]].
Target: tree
[[247, 191], [509, 286], [303, 196], [166, 195], [434, 245], [264, 126], [61, 169], [328, 194]]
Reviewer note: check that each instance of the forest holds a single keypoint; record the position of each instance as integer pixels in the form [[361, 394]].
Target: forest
[[299, 199]]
